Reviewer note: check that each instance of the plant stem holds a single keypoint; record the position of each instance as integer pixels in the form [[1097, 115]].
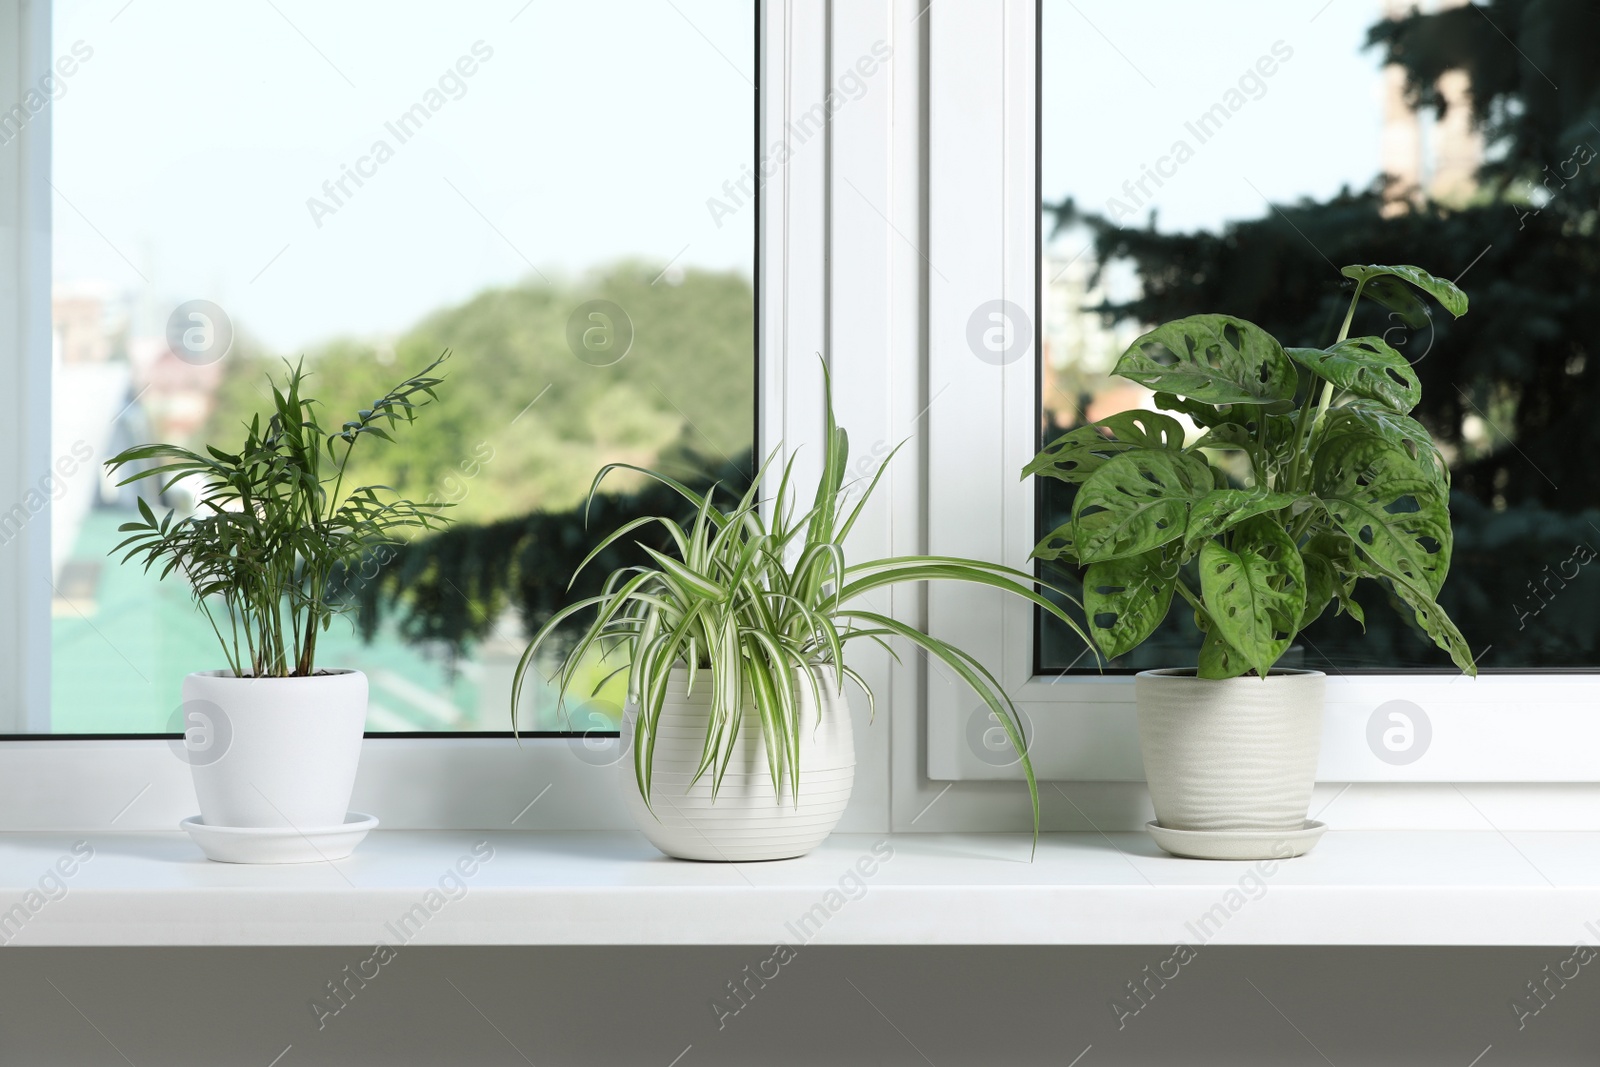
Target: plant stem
[[1293, 484], [1344, 332], [1327, 394], [1301, 525], [1193, 598]]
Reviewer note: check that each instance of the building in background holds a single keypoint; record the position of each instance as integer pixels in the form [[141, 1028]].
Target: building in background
[[1077, 347], [1428, 156]]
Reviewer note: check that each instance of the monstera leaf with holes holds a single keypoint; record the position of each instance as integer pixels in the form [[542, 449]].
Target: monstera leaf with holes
[[1392, 508], [1365, 367], [1337, 485], [1077, 454], [1214, 359], [1254, 590], [1126, 599], [1136, 502]]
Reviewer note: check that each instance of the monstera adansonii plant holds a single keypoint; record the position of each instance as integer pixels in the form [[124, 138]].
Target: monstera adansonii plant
[[1339, 485]]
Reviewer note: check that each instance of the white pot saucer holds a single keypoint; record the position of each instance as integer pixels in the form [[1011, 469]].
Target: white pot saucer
[[1237, 844], [279, 844]]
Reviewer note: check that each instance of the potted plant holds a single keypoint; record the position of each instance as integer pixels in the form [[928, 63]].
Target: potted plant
[[1337, 486], [734, 646], [273, 741]]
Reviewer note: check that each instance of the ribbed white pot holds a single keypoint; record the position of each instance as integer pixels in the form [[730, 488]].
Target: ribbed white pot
[[1230, 754], [274, 752], [746, 821]]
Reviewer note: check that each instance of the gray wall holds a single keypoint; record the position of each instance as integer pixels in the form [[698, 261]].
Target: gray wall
[[836, 1006]]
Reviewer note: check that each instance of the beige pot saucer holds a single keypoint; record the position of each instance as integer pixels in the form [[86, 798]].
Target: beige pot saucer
[[1237, 844]]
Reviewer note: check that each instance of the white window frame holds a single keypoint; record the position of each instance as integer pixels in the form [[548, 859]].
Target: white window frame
[[877, 240], [464, 781], [25, 372], [983, 151]]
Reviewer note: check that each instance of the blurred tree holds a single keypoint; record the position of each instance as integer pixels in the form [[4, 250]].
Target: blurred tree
[[688, 376], [450, 589]]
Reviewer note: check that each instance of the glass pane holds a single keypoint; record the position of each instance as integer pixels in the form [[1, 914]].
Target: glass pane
[[1237, 175], [366, 185]]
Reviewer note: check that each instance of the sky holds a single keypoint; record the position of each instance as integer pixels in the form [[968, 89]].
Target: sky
[[186, 148], [1122, 77]]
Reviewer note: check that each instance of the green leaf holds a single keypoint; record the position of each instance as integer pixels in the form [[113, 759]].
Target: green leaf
[[1232, 436], [1232, 424], [1219, 660], [1336, 548], [1401, 300], [1057, 544], [1453, 299], [1340, 554], [1321, 577], [1370, 417], [1126, 599], [1136, 502], [678, 572], [835, 458], [1198, 413], [1228, 435], [1437, 625], [1216, 359], [1367, 367], [862, 578], [1255, 592], [1078, 453], [1389, 504], [1269, 440], [1222, 509]]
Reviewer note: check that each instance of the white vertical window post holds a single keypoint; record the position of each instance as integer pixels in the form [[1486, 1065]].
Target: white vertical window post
[[829, 294], [982, 347], [25, 343]]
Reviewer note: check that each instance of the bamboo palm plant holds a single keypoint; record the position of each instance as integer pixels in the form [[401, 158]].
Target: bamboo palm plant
[[274, 523], [758, 601]]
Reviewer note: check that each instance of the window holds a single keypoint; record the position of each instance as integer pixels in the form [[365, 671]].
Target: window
[[1091, 173], [902, 152], [365, 186], [1227, 179]]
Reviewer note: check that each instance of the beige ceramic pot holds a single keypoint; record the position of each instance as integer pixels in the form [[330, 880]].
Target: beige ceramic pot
[[745, 821], [1232, 754]]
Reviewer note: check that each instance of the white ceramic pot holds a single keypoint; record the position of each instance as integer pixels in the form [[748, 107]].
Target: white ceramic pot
[[1231, 754], [274, 752], [746, 821]]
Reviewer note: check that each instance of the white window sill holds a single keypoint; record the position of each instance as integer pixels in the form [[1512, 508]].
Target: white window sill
[[1357, 888]]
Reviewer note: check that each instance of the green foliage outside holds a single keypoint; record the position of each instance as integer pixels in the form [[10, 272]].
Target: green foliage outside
[[684, 390]]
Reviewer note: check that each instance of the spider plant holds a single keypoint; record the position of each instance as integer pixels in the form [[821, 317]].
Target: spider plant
[[273, 522], [757, 601]]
